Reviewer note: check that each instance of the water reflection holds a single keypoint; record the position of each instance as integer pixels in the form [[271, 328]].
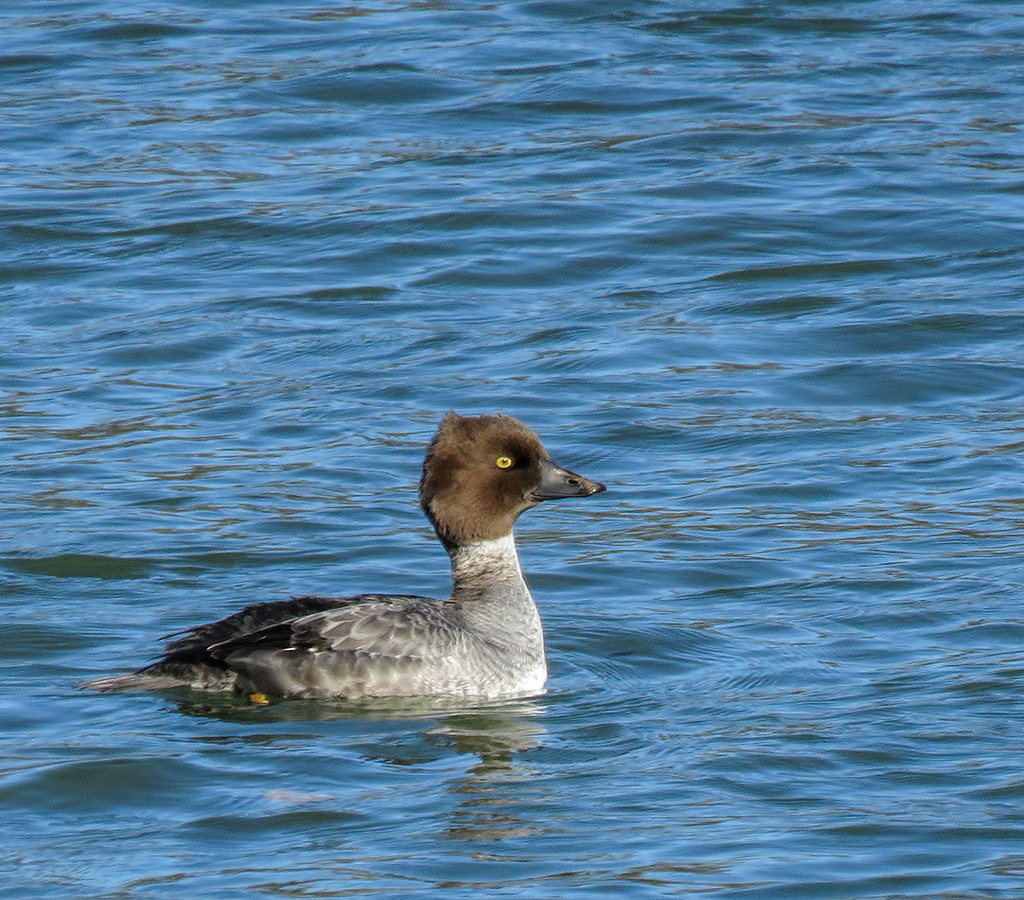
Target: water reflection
[[488, 793]]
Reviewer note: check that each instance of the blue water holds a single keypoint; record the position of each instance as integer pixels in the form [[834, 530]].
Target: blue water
[[757, 267]]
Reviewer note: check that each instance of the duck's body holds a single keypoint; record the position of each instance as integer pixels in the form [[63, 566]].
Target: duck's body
[[486, 640]]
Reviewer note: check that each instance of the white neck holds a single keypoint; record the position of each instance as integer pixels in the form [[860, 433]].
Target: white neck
[[492, 594], [494, 561]]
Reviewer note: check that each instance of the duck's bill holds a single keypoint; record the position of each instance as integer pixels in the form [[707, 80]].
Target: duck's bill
[[557, 483]]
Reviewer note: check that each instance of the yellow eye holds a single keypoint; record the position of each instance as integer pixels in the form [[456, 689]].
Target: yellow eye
[[503, 462]]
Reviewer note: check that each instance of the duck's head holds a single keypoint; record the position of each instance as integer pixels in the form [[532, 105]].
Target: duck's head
[[481, 472]]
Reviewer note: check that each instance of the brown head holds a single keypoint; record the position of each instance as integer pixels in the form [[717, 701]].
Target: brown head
[[481, 472]]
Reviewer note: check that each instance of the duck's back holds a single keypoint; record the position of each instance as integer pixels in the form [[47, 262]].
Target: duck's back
[[198, 658]]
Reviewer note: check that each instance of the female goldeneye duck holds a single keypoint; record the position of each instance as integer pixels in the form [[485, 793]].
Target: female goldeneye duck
[[479, 474]]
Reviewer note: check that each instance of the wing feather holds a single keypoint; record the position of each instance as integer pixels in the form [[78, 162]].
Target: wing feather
[[388, 626]]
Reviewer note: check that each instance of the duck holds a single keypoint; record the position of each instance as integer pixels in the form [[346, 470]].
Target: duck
[[485, 641]]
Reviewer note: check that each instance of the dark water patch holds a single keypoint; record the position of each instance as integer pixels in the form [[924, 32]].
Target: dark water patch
[[347, 297], [813, 271], [37, 641], [79, 565], [29, 61], [732, 20], [376, 84], [135, 31], [88, 787], [309, 821]]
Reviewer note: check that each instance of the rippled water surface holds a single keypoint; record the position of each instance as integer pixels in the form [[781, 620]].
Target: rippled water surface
[[757, 267]]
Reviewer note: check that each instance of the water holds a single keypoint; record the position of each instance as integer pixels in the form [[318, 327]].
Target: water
[[756, 267]]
